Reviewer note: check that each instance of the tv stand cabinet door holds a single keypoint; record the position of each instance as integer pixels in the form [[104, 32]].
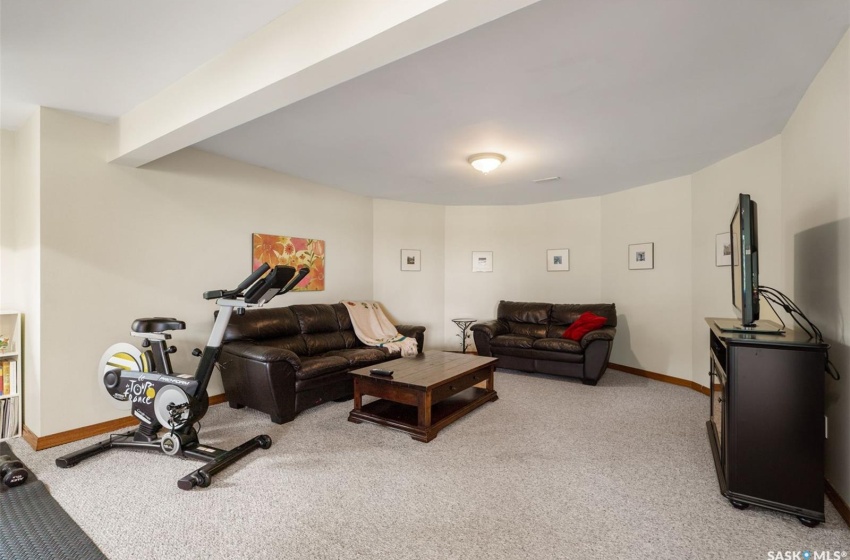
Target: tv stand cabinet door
[[776, 426]]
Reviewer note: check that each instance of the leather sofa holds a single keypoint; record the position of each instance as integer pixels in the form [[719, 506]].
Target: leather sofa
[[284, 360], [527, 337]]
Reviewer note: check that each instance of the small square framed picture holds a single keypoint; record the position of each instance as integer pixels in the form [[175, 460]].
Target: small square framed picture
[[723, 249], [411, 260], [482, 261], [557, 259], [641, 256]]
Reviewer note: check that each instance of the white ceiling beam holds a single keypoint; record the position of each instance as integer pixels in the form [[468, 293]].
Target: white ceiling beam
[[314, 46]]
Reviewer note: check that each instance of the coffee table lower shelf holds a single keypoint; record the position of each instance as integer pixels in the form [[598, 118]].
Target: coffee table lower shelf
[[404, 417]]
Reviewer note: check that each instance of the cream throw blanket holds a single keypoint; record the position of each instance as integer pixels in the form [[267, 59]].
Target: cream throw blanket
[[374, 329]]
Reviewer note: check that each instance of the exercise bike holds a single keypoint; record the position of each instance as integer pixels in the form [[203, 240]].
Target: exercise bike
[[161, 399]]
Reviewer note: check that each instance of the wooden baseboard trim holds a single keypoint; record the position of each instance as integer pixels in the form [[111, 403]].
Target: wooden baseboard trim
[[661, 377], [44, 442], [29, 437], [838, 502]]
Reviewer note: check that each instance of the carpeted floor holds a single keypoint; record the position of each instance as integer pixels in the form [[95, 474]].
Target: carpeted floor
[[553, 469]]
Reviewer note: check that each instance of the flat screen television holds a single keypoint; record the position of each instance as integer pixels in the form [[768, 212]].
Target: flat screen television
[[743, 231]]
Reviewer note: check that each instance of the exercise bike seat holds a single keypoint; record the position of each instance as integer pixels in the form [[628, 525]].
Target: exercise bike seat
[[157, 325]]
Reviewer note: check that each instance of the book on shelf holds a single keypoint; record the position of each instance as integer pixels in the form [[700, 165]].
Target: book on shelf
[[7, 376], [13, 378], [10, 425], [8, 418]]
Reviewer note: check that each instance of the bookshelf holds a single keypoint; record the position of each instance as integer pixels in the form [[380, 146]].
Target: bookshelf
[[11, 349]]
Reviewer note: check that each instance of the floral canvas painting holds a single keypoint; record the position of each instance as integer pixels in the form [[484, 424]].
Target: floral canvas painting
[[294, 251]]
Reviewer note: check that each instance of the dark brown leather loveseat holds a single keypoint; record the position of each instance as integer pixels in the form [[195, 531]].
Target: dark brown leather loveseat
[[284, 360], [527, 337]]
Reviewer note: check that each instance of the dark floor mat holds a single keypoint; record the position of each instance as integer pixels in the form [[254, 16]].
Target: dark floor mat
[[34, 525]]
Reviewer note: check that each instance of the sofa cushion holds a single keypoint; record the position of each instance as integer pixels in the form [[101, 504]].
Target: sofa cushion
[[361, 357], [292, 343], [342, 317], [350, 339], [527, 329], [584, 324], [519, 312], [512, 341], [260, 324], [564, 314], [316, 318], [322, 343], [558, 345], [315, 366]]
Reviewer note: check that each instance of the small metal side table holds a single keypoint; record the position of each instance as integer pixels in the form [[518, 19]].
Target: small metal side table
[[463, 325]]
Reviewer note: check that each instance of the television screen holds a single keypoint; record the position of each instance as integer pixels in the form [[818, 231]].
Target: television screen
[[744, 233], [743, 230], [735, 236]]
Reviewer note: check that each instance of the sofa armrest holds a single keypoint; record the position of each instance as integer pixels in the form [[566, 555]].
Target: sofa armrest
[[413, 331], [605, 333], [597, 350], [261, 377], [483, 332], [260, 353], [490, 329]]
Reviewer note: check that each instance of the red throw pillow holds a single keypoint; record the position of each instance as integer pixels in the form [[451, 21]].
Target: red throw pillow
[[586, 322]]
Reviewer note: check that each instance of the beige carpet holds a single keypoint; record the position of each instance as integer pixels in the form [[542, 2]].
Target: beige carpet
[[553, 469]]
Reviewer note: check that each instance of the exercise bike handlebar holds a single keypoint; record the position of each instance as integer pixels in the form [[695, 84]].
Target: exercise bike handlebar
[[253, 283], [299, 276], [253, 277]]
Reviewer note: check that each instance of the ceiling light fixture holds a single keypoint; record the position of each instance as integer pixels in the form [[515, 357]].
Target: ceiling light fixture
[[485, 163]]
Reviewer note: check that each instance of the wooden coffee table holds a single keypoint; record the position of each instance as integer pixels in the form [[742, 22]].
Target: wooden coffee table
[[425, 394]]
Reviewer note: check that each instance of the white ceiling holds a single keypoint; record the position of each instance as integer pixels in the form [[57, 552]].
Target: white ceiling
[[607, 95], [101, 58]]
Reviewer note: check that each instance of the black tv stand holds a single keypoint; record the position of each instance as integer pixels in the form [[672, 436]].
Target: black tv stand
[[766, 425], [762, 327]]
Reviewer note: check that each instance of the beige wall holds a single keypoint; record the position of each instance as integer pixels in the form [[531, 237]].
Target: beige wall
[[20, 250], [411, 297], [119, 243], [816, 233], [8, 217], [519, 236], [757, 172], [653, 306]]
